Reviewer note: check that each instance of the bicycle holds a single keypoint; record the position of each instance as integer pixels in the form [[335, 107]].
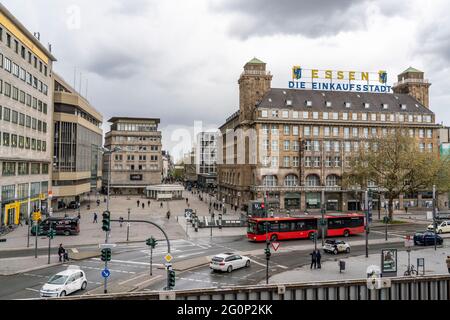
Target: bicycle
[[411, 271]]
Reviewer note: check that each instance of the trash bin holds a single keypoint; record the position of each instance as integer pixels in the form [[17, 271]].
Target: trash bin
[[341, 265]]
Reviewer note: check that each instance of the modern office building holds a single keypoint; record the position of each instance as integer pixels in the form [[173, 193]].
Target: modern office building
[[26, 112], [297, 143], [139, 163], [78, 137], [206, 159]]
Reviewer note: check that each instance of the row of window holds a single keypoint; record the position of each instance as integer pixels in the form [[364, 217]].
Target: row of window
[[23, 75], [134, 167], [327, 146], [23, 168], [139, 148], [22, 97], [135, 127], [24, 190], [13, 140], [134, 139], [23, 120], [346, 131], [24, 53], [131, 157], [291, 180], [355, 116]]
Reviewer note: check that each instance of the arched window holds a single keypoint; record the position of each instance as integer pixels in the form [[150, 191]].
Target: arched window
[[270, 181], [312, 180], [332, 180], [291, 180]]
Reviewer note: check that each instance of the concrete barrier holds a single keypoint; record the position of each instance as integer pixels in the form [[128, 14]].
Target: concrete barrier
[[436, 287]]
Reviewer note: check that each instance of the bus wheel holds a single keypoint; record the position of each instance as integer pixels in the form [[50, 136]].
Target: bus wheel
[[346, 233], [273, 238]]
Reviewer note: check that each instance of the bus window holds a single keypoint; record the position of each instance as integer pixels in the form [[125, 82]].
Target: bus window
[[284, 226], [336, 223], [273, 226], [251, 227], [356, 222]]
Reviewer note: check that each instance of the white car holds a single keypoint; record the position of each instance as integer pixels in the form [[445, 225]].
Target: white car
[[443, 227], [64, 283], [336, 246], [229, 262]]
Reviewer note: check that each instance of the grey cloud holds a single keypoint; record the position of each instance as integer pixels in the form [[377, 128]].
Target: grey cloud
[[308, 18], [113, 63]]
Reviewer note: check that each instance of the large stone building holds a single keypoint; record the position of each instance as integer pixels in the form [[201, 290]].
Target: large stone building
[[139, 163], [78, 138], [26, 111], [294, 145]]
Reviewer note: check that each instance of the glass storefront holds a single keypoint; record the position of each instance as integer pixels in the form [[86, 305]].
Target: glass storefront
[[292, 201], [313, 200]]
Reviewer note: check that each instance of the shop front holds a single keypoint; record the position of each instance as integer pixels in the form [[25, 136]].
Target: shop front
[[292, 200], [333, 200], [313, 200]]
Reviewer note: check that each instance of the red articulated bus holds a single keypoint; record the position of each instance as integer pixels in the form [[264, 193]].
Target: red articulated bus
[[285, 228]]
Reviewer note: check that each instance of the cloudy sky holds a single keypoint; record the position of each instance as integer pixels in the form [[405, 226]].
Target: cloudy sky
[[180, 60]]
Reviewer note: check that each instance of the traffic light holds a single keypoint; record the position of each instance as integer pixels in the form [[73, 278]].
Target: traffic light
[[51, 233], [106, 221], [152, 242], [267, 252], [171, 279], [106, 254]]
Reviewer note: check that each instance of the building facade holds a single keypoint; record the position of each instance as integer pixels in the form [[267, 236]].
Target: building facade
[[26, 111], [206, 159], [139, 163], [78, 137], [294, 145]]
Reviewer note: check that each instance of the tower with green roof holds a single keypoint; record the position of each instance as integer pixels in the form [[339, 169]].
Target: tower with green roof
[[254, 82], [412, 82]]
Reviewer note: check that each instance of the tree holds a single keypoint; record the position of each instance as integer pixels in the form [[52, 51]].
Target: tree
[[396, 165]]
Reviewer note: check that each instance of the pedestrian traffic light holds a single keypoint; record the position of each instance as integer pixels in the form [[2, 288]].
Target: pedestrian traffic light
[[171, 279], [106, 254], [267, 252], [106, 221], [51, 233]]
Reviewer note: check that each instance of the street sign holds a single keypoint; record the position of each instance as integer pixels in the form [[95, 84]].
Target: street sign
[[168, 257], [106, 273], [275, 245], [409, 242], [36, 216], [107, 245]]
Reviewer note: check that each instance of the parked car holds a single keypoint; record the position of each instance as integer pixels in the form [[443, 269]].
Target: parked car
[[73, 205], [63, 226], [427, 238], [442, 227], [229, 262], [64, 283], [336, 246]]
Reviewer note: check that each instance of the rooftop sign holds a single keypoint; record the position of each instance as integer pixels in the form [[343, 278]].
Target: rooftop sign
[[337, 80]]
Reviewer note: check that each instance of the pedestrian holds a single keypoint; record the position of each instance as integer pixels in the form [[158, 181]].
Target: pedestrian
[[143, 205], [406, 209], [148, 203], [448, 263], [61, 252], [79, 215], [168, 215], [98, 202], [313, 259], [161, 205], [137, 203], [187, 200], [318, 257], [121, 221], [95, 218]]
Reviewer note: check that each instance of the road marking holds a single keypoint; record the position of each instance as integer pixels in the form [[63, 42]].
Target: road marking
[[392, 234], [31, 289], [261, 264], [112, 270], [191, 254], [131, 262]]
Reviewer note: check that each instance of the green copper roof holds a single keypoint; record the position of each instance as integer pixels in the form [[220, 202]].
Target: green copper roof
[[255, 60], [411, 69]]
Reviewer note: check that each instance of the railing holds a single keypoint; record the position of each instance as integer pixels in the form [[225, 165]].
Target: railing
[[435, 287], [411, 80]]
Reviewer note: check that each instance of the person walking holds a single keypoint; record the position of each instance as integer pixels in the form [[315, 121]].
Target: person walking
[[168, 215], [148, 203], [98, 202], [95, 218], [406, 209], [79, 215], [161, 205], [448, 263], [121, 221], [187, 200], [313, 260], [143, 205], [318, 257], [137, 202], [61, 252]]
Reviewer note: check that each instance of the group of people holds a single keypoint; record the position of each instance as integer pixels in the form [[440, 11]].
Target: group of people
[[315, 259], [143, 205]]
